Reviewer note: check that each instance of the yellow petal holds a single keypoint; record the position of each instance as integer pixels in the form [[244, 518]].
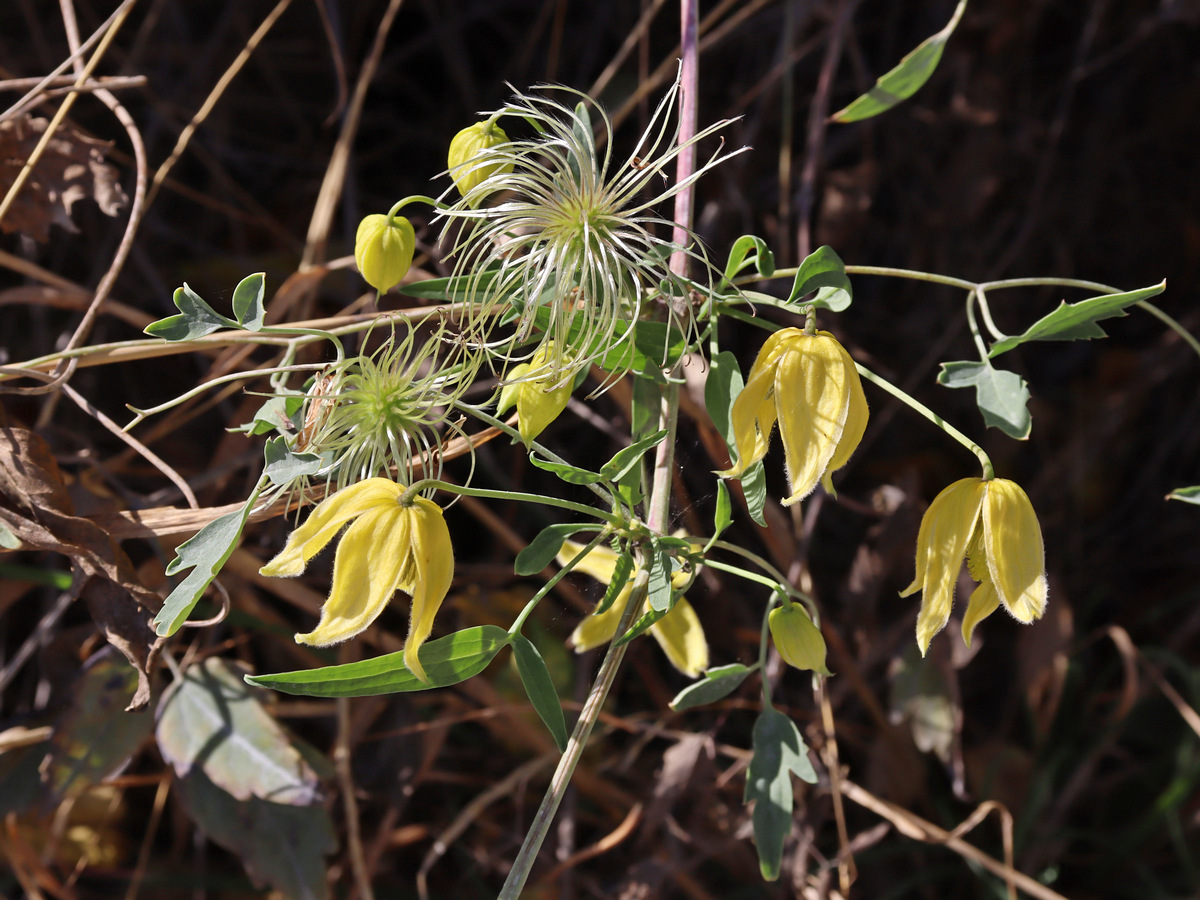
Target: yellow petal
[[432, 557], [941, 544], [508, 392], [681, 637], [599, 628], [1012, 541], [982, 604], [751, 434], [797, 638], [812, 397], [541, 400], [856, 421], [366, 573], [600, 562], [326, 520]]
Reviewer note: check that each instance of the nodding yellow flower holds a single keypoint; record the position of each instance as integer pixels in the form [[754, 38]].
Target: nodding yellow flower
[[679, 632], [808, 383], [797, 638], [388, 547], [468, 159], [539, 398], [993, 524], [383, 250]]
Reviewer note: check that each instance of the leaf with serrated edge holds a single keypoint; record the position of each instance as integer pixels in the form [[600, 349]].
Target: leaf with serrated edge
[[779, 752], [1002, 396], [447, 660], [716, 684], [906, 78], [1077, 321], [539, 687]]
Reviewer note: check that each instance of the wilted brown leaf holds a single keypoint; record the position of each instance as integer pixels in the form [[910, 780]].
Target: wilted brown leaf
[[71, 168]]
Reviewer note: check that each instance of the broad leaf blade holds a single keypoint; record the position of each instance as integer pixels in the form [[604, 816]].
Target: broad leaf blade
[[763, 259], [627, 457], [716, 684], [659, 596], [906, 78], [1002, 396], [283, 465], [248, 302], [543, 548], [1077, 321], [447, 660], [779, 752], [196, 319], [539, 686], [824, 272]]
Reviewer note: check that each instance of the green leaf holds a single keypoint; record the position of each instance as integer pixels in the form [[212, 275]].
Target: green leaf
[[568, 473], [453, 289], [716, 684], [447, 660], [540, 688], [628, 457], [204, 553], [723, 517], [824, 272], [779, 752], [1002, 396], [211, 720], [279, 414], [8, 540], [248, 302], [283, 465], [721, 388], [637, 628], [1077, 321], [280, 845], [1186, 494], [196, 319], [659, 595], [904, 80], [763, 259], [622, 570], [543, 548]]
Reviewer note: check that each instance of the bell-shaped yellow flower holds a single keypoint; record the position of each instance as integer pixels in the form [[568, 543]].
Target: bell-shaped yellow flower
[[539, 399], [808, 383], [797, 638], [679, 632], [992, 524], [383, 250], [468, 156], [388, 547]]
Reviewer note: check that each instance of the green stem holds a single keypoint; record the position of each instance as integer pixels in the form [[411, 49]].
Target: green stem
[[515, 628], [973, 326], [416, 487], [988, 471], [763, 639], [414, 198]]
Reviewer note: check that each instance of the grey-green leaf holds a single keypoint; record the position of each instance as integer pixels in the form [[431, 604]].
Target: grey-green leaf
[[211, 720], [248, 302], [659, 595], [763, 259], [1077, 321], [779, 752], [447, 660], [283, 465], [568, 473], [723, 517], [621, 573], [8, 540], [824, 272], [716, 684], [196, 319], [627, 457], [1002, 396], [539, 686], [1186, 494], [543, 548], [905, 79]]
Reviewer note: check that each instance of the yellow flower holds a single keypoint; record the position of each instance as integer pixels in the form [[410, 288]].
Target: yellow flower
[[383, 250], [993, 524], [809, 384], [540, 398], [388, 547], [679, 632], [469, 152], [797, 638]]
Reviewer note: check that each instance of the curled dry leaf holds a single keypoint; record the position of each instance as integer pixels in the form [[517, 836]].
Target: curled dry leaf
[[71, 168]]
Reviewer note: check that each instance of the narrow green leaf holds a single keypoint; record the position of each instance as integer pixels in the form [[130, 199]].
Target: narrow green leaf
[[659, 595], [1077, 321], [904, 80], [763, 259], [540, 688], [283, 465], [543, 548], [621, 574], [1002, 396], [824, 272], [568, 473], [779, 752], [716, 684], [1186, 494], [647, 619], [248, 302], [204, 553], [196, 319], [447, 660], [724, 514], [627, 457]]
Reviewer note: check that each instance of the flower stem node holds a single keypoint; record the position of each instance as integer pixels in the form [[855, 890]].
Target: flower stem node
[[388, 547], [383, 250], [808, 383], [797, 638], [468, 157], [992, 524], [539, 398]]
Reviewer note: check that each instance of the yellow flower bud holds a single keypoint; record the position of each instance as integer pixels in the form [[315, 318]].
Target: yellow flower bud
[[383, 250], [539, 399], [797, 639], [469, 144]]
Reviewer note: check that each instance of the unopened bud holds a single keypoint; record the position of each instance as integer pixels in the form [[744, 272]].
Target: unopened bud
[[797, 639], [383, 250], [470, 143]]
